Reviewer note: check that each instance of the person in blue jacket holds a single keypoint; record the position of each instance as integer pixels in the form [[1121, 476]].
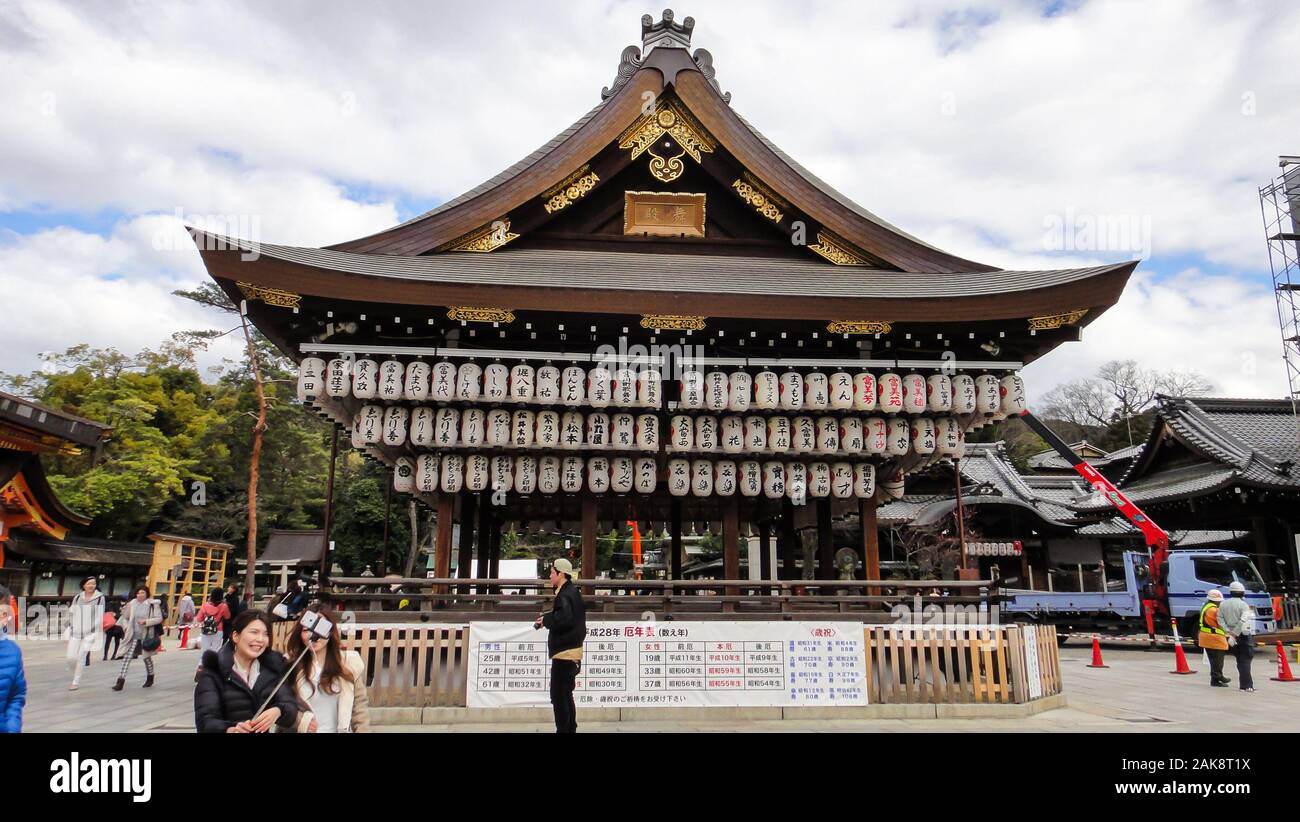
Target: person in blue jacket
[[13, 685]]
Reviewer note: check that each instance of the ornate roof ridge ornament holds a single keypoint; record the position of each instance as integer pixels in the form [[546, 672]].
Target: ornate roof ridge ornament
[[663, 34], [666, 33], [704, 59]]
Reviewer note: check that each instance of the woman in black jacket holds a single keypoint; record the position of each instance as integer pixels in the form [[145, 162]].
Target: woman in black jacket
[[235, 681]]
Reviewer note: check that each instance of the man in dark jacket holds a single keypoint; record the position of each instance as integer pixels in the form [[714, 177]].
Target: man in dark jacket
[[567, 623]]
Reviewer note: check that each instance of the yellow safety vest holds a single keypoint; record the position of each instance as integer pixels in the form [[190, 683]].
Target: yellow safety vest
[[1206, 629]]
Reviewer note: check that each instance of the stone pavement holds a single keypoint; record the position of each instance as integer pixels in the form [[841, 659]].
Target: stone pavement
[[1136, 694]]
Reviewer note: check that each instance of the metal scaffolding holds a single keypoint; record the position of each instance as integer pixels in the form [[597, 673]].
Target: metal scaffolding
[[1280, 204]]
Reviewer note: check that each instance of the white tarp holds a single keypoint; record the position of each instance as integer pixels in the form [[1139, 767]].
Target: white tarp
[[676, 664]]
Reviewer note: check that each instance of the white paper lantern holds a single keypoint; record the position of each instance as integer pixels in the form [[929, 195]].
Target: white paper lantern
[[426, 473], [472, 424], [914, 393], [893, 487], [649, 388], [477, 472], [624, 387], [939, 393], [792, 390], [692, 385], [404, 476], [646, 475], [988, 394], [598, 432], [370, 425], [338, 377], [875, 435], [422, 427], [841, 391], [732, 438], [442, 382], [547, 388], [767, 390], [755, 435], [796, 482], [864, 391], [964, 400], [842, 480], [740, 387], [548, 474], [496, 382], [571, 475], [900, 437], [446, 432], [503, 474], [774, 480], [571, 431], [778, 434], [751, 478], [706, 433], [679, 478], [415, 383], [864, 480], [851, 435], [395, 420], [724, 478], [923, 435], [947, 435], [548, 430], [365, 379], [599, 391], [889, 393], [573, 386], [522, 426], [647, 432], [469, 382], [701, 478], [816, 392], [498, 428], [717, 391], [1013, 394], [622, 473], [598, 475], [681, 433], [525, 475], [819, 480], [391, 385], [828, 435], [453, 473], [522, 380], [805, 435], [311, 378]]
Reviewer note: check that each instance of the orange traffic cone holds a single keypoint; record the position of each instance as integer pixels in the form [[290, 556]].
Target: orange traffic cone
[[1096, 654], [1283, 667], [1180, 660]]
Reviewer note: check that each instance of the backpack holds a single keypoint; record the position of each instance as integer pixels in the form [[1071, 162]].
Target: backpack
[[210, 625]]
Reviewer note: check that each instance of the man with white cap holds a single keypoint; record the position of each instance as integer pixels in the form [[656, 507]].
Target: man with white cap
[[567, 623], [1237, 618], [1212, 638]]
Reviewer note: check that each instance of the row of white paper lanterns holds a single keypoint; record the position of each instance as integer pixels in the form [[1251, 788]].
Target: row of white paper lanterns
[[500, 428], [715, 391], [452, 473]]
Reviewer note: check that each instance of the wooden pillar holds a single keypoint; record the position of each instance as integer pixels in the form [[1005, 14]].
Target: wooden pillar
[[731, 543], [588, 536], [388, 512], [787, 543], [493, 539], [870, 542], [442, 542], [323, 576], [675, 514], [765, 550], [825, 541], [482, 540]]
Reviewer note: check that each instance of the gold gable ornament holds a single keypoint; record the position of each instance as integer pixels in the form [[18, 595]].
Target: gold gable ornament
[[482, 240], [270, 296], [472, 314], [669, 119], [836, 250], [859, 327], [1053, 321], [673, 322], [760, 197], [575, 186]]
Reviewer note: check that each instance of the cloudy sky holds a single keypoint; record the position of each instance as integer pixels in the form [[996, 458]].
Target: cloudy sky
[[1016, 133]]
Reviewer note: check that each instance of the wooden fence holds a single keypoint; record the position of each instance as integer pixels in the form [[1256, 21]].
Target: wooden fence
[[427, 665]]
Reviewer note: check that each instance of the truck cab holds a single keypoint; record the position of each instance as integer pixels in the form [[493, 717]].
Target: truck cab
[[1191, 574]]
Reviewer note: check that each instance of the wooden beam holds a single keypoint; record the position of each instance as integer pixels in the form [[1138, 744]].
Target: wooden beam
[[870, 542], [442, 544]]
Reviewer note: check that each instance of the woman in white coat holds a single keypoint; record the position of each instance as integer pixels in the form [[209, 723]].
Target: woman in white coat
[[85, 631], [331, 683]]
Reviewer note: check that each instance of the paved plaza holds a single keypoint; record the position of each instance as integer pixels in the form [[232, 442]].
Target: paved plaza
[[1136, 693]]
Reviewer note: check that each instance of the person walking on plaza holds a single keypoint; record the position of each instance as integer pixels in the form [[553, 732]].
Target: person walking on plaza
[[330, 681], [1212, 638], [139, 618], [13, 684], [185, 610], [1238, 619], [112, 630], [239, 678], [85, 630], [567, 623], [212, 619]]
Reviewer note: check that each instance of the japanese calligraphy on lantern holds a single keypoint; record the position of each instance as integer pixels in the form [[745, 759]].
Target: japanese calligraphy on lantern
[[678, 664]]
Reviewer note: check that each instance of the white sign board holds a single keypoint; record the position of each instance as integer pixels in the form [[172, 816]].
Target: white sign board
[[1032, 670], [676, 664]]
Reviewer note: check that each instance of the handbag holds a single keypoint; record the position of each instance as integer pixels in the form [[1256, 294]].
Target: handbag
[[151, 644], [281, 611]]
